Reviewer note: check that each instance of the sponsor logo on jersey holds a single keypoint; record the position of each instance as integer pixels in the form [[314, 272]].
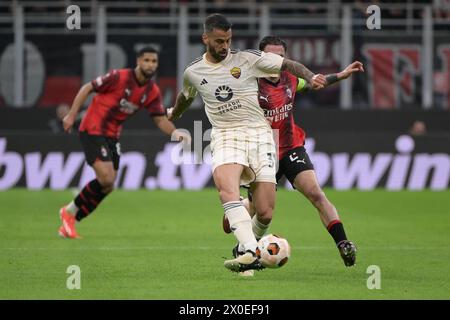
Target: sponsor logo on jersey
[[127, 107], [224, 93], [229, 106], [236, 72], [278, 114], [272, 112]]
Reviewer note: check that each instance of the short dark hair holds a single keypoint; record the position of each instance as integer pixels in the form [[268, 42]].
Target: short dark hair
[[216, 21], [147, 49], [273, 41]]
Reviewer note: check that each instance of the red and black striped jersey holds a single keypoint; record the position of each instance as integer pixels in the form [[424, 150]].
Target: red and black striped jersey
[[277, 101], [119, 96]]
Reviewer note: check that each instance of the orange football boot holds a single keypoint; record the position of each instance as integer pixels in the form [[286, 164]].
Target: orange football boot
[[62, 233], [68, 226]]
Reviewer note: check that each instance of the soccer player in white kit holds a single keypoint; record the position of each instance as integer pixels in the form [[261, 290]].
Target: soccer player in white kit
[[242, 146]]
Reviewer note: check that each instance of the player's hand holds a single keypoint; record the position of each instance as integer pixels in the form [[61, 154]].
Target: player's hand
[[318, 81], [68, 122], [351, 68], [182, 136]]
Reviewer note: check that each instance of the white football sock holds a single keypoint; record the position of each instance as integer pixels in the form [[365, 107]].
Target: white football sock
[[259, 229], [240, 224], [72, 208]]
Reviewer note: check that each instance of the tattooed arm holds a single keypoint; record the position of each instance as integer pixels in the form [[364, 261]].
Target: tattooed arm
[[183, 100], [181, 104], [317, 81], [297, 69]]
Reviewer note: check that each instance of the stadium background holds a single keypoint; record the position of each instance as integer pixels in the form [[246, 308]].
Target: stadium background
[[406, 81], [388, 128]]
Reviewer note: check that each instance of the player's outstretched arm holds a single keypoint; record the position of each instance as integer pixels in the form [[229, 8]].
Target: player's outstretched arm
[[181, 104], [166, 126], [335, 77], [317, 81], [78, 102], [344, 74], [355, 66]]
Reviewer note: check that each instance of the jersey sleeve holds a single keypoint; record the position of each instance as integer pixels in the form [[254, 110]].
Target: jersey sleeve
[[107, 82], [154, 104], [189, 90], [301, 84], [265, 64]]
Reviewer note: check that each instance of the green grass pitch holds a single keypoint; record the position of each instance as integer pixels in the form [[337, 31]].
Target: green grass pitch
[[170, 245]]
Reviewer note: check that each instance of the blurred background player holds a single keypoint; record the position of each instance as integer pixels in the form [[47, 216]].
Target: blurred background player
[[276, 98], [55, 124], [242, 146], [120, 94]]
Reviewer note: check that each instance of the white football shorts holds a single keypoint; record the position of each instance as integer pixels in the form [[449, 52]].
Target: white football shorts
[[252, 148]]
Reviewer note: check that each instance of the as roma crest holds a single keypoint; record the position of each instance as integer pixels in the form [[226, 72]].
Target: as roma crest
[[236, 72]]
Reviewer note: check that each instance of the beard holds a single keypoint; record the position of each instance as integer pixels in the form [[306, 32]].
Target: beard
[[147, 74], [217, 55]]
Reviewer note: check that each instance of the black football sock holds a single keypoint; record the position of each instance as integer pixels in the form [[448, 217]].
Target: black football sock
[[336, 229], [88, 199]]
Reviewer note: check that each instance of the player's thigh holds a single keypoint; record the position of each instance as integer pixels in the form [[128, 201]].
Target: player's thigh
[[105, 172], [263, 196], [230, 157], [227, 177], [306, 182]]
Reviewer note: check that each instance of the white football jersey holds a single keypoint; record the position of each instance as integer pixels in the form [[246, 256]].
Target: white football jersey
[[229, 88]]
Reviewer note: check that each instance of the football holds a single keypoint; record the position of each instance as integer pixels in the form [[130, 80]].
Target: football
[[273, 251]]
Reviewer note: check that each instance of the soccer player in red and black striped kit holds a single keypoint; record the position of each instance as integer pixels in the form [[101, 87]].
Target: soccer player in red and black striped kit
[[119, 94], [276, 97]]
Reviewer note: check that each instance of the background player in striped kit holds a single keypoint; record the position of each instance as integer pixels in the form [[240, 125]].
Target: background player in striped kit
[[119, 94]]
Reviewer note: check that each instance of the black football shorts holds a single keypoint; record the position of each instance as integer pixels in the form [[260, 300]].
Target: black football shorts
[[294, 162], [100, 148]]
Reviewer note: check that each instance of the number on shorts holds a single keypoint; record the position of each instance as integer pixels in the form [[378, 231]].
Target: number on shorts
[[271, 160]]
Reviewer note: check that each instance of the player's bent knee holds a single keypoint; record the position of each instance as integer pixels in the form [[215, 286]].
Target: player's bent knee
[[316, 196], [265, 214]]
